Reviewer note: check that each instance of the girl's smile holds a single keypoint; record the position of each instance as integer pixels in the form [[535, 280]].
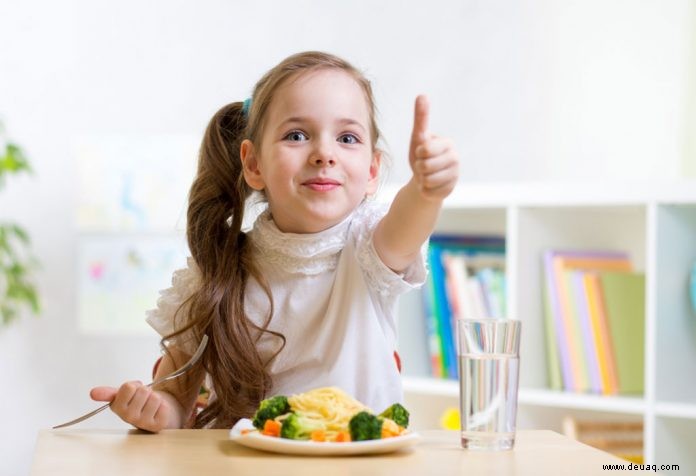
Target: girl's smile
[[322, 184]]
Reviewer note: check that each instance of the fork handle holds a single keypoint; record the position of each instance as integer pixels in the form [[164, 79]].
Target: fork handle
[[84, 417]]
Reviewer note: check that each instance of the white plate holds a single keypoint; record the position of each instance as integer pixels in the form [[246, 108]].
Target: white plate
[[258, 441]]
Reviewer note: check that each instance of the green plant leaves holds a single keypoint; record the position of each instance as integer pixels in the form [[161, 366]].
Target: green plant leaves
[[12, 161], [16, 288]]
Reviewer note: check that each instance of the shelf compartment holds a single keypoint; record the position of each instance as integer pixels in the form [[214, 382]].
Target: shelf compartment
[[675, 345], [611, 227]]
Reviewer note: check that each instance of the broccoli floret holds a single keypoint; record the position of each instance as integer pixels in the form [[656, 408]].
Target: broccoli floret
[[297, 427], [365, 426], [397, 413], [269, 409]]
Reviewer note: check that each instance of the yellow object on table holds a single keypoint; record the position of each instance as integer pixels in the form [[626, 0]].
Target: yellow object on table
[[450, 419]]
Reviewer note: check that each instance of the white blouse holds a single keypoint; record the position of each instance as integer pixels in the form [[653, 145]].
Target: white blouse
[[334, 301]]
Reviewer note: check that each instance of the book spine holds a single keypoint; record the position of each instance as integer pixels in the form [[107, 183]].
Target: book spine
[[450, 310], [431, 324], [605, 357], [574, 335], [558, 324], [441, 309], [588, 335], [624, 298], [555, 380]]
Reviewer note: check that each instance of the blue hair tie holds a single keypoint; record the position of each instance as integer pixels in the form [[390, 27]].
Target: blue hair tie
[[246, 106]]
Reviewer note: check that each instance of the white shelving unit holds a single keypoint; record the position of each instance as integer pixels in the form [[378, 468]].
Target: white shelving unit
[[656, 224]]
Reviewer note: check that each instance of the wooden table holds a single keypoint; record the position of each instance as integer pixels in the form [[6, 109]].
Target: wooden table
[[210, 452]]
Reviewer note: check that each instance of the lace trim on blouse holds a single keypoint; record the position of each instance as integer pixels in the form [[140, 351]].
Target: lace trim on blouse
[[309, 254]]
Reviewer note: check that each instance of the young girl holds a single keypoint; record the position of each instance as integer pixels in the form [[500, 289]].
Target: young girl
[[307, 297]]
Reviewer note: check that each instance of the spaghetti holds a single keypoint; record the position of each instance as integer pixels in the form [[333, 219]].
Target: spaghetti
[[330, 407]]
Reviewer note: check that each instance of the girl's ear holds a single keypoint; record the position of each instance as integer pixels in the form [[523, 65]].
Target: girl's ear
[[250, 165], [373, 180]]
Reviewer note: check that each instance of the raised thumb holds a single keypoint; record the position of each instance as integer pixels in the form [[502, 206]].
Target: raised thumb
[[421, 116]]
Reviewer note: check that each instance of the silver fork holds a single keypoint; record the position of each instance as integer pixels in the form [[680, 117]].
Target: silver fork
[[177, 373]]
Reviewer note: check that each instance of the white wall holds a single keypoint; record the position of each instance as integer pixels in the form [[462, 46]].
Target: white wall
[[533, 90]]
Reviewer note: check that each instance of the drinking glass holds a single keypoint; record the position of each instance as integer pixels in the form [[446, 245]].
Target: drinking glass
[[489, 361]]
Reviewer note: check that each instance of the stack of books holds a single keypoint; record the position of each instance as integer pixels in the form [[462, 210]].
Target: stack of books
[[466, 281], [595, 322]]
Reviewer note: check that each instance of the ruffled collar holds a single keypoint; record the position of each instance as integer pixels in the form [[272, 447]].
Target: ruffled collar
[[310, 253]]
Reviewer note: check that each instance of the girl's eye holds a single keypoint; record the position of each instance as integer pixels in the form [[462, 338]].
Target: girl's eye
[[348, 139], [296, 136]]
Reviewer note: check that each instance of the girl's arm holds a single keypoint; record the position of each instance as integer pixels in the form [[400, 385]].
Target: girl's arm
[[414, 211], [153, 410]]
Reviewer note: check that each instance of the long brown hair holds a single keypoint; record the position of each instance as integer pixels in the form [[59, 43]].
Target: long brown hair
[[222, 252]]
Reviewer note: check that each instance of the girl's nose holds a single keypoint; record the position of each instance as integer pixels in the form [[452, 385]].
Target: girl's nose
[[322, 155]]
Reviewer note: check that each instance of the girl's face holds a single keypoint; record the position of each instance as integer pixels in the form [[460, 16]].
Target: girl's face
[[315, 161]]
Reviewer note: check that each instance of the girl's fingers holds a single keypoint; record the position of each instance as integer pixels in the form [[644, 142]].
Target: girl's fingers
[[436, 167], [433, 147], [136, 404], [150, 408], [437, 179], [103, 394], [434, 164], [161, 416], [134, 411], [124, 396]]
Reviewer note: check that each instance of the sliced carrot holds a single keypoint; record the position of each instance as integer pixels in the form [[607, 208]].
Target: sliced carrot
[[388, 432], [390, 428], [318, 435], [271, 428], [343, 437], [246, 431]]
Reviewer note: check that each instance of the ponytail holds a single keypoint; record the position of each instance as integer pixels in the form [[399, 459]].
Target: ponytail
[[222, 253], [218, 193]]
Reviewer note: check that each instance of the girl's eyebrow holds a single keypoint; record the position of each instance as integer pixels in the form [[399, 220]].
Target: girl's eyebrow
[[301, 120], [350, 122]]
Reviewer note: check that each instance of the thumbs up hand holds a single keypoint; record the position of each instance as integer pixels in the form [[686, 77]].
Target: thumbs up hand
[[434, 161]]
